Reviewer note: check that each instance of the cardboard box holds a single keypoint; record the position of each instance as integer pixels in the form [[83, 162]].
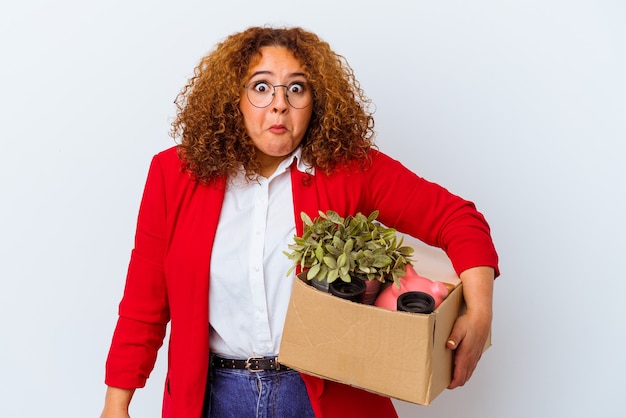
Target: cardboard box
[[396, 354]]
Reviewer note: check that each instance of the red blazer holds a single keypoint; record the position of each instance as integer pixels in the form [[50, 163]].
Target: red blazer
[[168, 273]]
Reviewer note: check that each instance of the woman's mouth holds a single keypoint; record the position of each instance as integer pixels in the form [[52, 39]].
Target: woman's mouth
[[278, 129]]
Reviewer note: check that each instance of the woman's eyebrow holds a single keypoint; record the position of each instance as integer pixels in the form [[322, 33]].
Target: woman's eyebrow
[[265, 72], [254, 74]]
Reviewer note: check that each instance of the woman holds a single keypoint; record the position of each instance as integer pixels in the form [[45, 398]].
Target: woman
[[272, 123]]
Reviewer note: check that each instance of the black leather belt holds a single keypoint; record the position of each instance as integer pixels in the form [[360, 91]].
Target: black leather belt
[[253, 364]]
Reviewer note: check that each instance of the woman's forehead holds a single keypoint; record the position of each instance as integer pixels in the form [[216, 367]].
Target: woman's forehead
[[272, 60]]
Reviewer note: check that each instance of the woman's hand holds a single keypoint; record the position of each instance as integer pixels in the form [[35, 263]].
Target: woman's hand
[[116, 403], [471, 330]]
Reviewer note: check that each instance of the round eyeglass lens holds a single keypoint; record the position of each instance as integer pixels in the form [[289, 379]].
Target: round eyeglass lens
[[261, 94]]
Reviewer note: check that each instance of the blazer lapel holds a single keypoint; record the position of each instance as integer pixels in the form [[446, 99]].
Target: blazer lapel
[[305, 196]]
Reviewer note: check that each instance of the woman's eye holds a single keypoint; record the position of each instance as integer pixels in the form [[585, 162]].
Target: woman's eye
[[296, 88], [261, 87]]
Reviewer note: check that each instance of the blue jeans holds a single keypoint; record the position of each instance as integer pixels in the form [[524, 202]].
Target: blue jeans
[[267, 394]]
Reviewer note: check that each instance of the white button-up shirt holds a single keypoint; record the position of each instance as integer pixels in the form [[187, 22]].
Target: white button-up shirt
[[249, 290]]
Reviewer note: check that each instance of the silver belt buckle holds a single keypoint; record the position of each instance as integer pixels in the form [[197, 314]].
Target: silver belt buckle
[[249, 365]]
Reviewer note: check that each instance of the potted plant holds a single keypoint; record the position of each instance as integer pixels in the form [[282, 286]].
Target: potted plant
[[355, 247]]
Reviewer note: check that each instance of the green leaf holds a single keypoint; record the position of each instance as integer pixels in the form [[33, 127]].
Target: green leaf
[[332, 250], [382, 261], [330, 262], [338, 243], [332, 275], [319, 253], [372, 216], [313, 271], [342, 260], [323, 272], [343, 272], [345, 277], [334, 217]]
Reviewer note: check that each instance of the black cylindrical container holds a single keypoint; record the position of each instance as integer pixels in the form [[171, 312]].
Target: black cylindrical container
[[353, 290], [416, 302]]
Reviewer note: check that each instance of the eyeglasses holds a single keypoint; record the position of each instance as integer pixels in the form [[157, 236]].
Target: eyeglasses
[[262, 93]]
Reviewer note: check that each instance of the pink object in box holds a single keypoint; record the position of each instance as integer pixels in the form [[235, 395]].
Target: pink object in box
[[411, 282]]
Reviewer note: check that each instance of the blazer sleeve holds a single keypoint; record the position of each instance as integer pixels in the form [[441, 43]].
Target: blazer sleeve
[[143, 310], [429, 212]]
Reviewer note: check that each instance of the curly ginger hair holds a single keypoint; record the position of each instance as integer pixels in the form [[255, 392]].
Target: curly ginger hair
[[210, 126]]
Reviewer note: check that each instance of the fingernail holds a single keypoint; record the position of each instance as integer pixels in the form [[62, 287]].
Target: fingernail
[[451, 342]]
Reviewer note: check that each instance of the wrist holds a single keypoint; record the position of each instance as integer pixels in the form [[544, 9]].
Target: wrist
[[118, 399]]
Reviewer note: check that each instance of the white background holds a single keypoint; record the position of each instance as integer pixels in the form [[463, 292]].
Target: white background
[[517, 105]]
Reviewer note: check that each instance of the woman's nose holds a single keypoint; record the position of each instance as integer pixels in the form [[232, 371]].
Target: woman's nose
[[280, 103]]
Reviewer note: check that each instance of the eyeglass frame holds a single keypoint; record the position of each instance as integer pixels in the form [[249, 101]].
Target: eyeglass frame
[[286, 86]]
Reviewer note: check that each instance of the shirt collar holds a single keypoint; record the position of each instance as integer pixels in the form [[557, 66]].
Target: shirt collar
[[295, 156], [301, 165]]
